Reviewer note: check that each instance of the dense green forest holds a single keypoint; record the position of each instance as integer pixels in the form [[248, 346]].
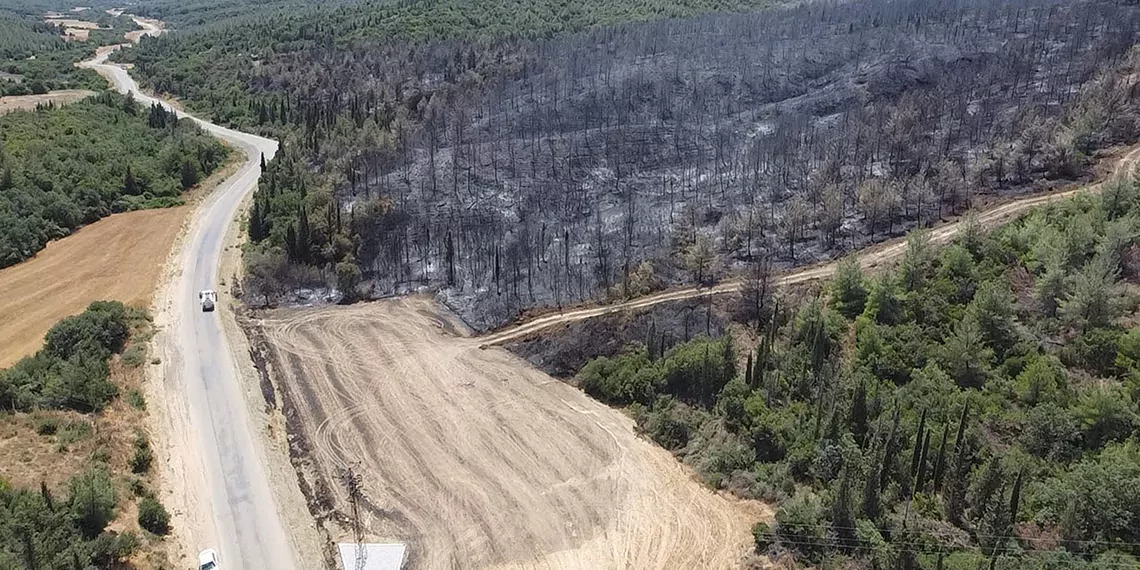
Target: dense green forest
[[34, 58], [72, 371], [209, 66], [62, 168], [975, 404]]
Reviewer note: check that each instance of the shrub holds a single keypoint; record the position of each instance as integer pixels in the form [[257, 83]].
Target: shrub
[[109, 549], [71, 370], [134, 356], [761, 536], [47, 426], [153, 516], [75, 431], [1051, 432], [136, 400], [624, 379], [92, 500], [798, 525], [1096, 351], [143, 456]]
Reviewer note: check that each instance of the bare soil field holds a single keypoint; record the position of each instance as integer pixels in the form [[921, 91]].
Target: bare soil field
[[476, 459], [29, 102], [73, 29], [117, 258]]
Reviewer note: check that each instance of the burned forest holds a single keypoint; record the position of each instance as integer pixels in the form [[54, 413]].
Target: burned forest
[[513, 173]]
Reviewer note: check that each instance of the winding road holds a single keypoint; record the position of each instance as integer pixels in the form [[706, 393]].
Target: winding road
[[869, 257], [200, 366]]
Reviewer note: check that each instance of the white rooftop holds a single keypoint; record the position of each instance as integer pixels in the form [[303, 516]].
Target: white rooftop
[[377, 556]]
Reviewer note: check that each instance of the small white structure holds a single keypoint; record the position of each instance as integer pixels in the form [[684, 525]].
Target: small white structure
[[376, 556]]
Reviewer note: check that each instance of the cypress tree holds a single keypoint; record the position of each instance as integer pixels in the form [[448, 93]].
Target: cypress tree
[[130, 184], [940, 463], [842, 520], [859, 412], [758, 366], [46, 494], [920, 474], [1015, 497], [748, 371], [981, 500], [29, 547], [918, 444], [891, 450], [870, 506]]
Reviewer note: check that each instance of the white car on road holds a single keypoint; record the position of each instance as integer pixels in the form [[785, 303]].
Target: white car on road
[[208, 559], [208, 297]]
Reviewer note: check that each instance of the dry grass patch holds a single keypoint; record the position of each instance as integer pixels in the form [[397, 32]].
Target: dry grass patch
[[118, 258], [29, 102], [49, 447]]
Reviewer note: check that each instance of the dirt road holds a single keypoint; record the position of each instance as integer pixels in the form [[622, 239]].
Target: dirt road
[[208, 416], [478, 460], [870, 257]]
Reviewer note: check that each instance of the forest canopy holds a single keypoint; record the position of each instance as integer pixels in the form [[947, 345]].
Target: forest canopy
[[974, 406], [35, 58], [61, 168]]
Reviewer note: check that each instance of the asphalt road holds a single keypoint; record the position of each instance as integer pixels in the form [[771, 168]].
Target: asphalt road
[[246, 520]]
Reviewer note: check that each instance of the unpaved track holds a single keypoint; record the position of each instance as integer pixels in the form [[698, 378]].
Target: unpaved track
[[869, 257], [478, 460], [219, 463]]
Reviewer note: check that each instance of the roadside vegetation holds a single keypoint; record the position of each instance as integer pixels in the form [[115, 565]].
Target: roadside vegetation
[[61, 168], [64, 424], [975, 405]]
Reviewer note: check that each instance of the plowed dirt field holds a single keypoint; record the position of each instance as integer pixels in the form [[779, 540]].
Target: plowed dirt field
[[118, 258], [477, 460]]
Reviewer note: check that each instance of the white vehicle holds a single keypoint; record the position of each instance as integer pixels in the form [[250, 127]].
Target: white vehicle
[[208, 559], [208, 297]]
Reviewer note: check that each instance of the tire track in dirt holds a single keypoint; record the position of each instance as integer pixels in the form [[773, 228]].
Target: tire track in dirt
[[869, 257], [477, 460]]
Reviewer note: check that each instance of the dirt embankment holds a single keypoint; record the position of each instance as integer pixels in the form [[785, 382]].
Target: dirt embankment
[[476, 459]]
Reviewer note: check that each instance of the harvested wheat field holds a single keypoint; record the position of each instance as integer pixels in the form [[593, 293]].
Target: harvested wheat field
[[29, 102], [117, 258], [477, 460]]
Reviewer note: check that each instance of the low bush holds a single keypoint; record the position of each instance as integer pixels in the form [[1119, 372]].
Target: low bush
[[153, 516], [71, 371], [143, 455]]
